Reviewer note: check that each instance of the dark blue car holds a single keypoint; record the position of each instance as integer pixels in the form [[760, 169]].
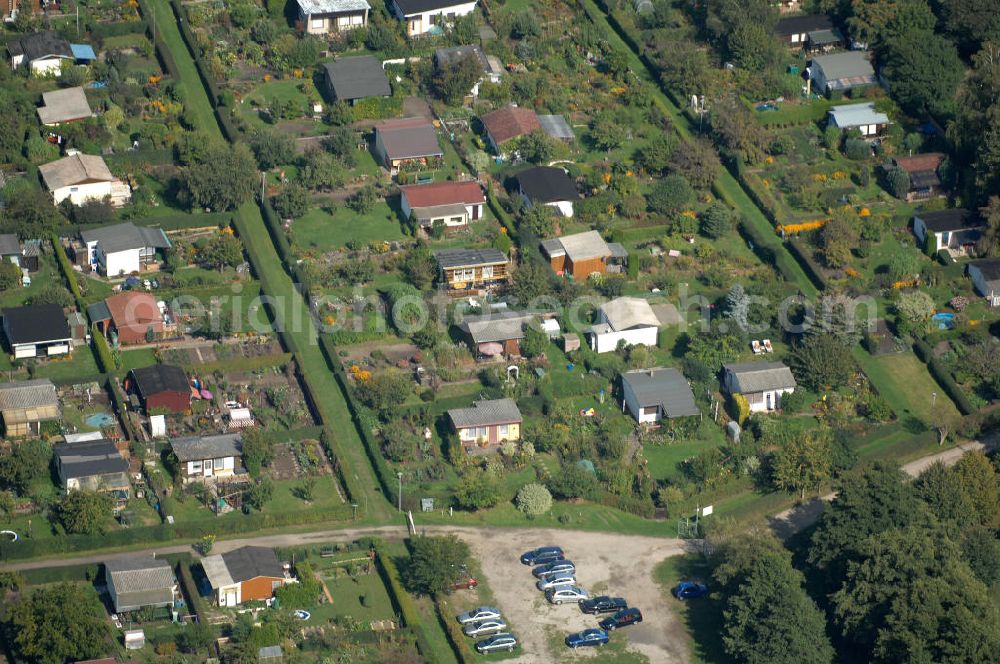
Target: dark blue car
[[690, 590], [542, 555], [588, 637]]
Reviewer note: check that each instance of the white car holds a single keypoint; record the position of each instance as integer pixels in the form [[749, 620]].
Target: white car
[[566, 594], [555, 581], [477, 614], [485, 627]]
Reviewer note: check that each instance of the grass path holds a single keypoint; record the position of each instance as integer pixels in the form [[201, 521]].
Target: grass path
[[195, 99], [726, 186], [292, 318]]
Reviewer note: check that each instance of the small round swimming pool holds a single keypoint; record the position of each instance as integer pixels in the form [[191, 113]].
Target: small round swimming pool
[[944, 320], [99, 420]]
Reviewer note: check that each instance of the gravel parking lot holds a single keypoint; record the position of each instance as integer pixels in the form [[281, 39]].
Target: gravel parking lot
[[617, 565]]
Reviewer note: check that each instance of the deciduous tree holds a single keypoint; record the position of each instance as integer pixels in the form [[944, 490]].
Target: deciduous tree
[[57, 624], [435, 563], [84, 512]]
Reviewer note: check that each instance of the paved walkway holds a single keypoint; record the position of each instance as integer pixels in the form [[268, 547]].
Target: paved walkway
[[787, 523]]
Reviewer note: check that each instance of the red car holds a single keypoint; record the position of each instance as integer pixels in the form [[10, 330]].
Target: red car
[[465, 582]]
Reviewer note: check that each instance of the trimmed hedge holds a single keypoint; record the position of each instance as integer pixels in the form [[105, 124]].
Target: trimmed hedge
[[278, 236], [241, 524], [805, 259], [764, 250], [457, 639], [943, 377], [102, 351], [190, 589], [393, 582], [68, 273]]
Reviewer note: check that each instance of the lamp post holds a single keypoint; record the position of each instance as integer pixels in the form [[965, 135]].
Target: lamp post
[[399, 495]]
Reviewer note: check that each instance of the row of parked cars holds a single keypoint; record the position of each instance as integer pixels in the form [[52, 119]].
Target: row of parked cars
[[487, 621], [557, 578]]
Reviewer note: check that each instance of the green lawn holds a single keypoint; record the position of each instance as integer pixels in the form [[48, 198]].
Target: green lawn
[[362, 597], [80, 364], [320, 231], [136, 359], [48, 275], [664, 459], [905, 382]]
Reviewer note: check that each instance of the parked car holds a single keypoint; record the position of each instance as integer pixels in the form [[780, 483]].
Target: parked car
[[566, 594], [496, 643], [465, 581], [588, 637], [555, 581], [623, 618], [485, 627], [603, 604], [557, 567], [690, 590], [542, 555], [479, 613]]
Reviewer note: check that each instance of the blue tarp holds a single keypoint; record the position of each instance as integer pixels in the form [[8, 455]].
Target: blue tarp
[[83, 51]]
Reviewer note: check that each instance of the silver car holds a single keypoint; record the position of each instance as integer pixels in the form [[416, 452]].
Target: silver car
[[477, 614], [555, 581], [558, 567], [499, 642], [566, 594], [485, 627]]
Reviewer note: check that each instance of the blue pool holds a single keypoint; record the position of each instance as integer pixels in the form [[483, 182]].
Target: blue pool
[[99, 420], [944, 320]]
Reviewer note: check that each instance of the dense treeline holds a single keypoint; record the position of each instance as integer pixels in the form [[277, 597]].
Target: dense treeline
[[894, 571]]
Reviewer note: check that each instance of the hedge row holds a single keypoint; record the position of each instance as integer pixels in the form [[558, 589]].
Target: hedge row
[[943, 377], [329, 442], [102, 351], [456, 638], [162, 52], [383, 473], [228, 130], [764, 249], [190, 590], [240, 524], [401, 601], [278, 235], [639, 234], [808, 263], [68, 273]]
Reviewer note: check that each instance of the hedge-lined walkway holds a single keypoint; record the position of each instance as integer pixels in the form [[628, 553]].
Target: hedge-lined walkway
[[299, 334]]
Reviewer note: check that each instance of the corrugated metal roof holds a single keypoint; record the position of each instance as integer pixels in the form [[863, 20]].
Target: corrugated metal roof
[[760, 376], [497, 326], [139, 573], [485, 413], [332, 6], [28, 394]]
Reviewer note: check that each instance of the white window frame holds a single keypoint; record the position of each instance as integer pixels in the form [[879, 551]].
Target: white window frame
[[503, 430], [487, 273], [317, 23]]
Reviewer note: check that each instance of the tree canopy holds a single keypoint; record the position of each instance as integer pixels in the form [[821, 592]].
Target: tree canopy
[[435, 563], [58, 624]]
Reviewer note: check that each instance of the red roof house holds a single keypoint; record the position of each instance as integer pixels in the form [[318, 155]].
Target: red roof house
[[508, 123], [133, 314], [454, 204]]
